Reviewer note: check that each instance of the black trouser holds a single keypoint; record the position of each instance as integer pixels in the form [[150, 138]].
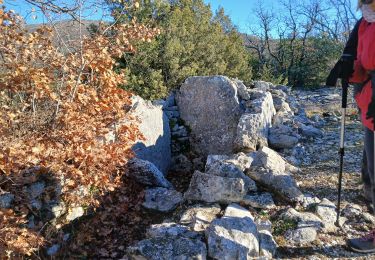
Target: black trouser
[[368, 171], [368, 174]]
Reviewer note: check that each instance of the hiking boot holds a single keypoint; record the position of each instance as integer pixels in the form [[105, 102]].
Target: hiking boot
[[364, 244], [367, 193]]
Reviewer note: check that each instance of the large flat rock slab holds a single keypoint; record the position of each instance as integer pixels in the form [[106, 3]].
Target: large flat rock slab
[[154, 125], [211, 109]]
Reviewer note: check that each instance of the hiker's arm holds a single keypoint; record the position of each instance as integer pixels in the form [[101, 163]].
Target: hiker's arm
[[344, 67], [351, 45]]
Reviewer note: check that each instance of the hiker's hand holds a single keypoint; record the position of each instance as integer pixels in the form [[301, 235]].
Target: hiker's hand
[[346, 66], [371, 111]]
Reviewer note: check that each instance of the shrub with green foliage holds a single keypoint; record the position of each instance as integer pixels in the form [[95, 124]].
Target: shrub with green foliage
[[193, 41]]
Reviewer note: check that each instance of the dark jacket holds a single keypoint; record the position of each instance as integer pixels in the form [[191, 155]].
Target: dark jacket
[[340, 68]]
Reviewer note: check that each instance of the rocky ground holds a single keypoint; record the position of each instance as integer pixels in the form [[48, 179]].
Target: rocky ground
[[204, 206], [318, 175]]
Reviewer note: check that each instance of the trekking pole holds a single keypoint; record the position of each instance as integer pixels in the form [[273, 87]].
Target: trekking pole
[[345, 85]]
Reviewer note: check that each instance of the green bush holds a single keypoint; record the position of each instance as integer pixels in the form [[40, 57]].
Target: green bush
[[192, 42]]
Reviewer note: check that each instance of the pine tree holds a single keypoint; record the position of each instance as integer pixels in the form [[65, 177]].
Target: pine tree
[[192, 42]]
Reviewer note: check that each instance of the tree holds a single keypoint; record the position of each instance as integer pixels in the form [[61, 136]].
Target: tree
[[192, 42], [57, 106], [298, 45]]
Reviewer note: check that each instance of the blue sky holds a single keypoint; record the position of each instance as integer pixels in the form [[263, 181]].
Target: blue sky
[[240, 11]]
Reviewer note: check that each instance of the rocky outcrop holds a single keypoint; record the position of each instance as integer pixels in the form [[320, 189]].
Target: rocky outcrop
[[267, 245], [224, 115], [326, 210]]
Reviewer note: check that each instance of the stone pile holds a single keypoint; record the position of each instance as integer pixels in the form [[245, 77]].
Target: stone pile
[[160, 194], [232, 126], [203, 234], [179, 132], [251, 137], [226, 117]]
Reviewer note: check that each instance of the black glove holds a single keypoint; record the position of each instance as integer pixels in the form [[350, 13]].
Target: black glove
[[346, 67], [343, 69]]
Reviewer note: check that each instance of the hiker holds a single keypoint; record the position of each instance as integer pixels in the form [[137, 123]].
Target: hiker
[[363, 79]]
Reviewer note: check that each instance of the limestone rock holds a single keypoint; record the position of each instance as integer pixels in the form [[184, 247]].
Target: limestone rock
[[212, 188], [309, 201], [241, 160], [6, 200], [301, 236], [279, 182], [147, 173], [154, 125], [269, 159], [262, 85], [352, 211], [310, 131], [264, 224], [170, 229], [254, 125], [234, 236], [368, 217], [267, 245], [57, 208], [284, 116], [168, 248], [326, 210], [269, 168], [282, 136], [261, 201], [212, 159], [242, 90], [229, 170], [74, 213], [303, 218], [162, 199], [235, 210], [211, 109], [199, 217]]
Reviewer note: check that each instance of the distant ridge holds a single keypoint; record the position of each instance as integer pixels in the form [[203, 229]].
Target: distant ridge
[[68, 30]]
